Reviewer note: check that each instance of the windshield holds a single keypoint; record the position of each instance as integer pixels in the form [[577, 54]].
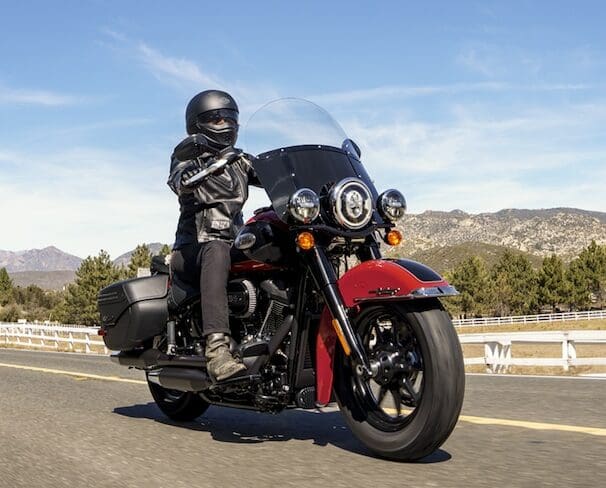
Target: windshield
[[289, 122], [299, 145]]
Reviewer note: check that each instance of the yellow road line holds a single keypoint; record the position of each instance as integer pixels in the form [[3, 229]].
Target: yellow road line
[[464, 418], [534, 425], [521, 423], [79, 376]]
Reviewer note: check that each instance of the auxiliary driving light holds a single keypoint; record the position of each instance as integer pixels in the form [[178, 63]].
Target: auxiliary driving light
[[304, 205], [391, 205]]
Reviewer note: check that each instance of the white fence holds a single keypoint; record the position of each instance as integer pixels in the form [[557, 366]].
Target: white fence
[[530, 319], [38, 336], [498, 355]]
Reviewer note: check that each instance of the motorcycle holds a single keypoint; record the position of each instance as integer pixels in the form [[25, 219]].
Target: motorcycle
[[316, 313]]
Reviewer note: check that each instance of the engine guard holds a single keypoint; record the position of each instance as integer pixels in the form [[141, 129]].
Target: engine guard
[[371, 282]]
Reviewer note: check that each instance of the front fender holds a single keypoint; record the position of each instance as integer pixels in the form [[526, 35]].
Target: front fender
[[373, 281]]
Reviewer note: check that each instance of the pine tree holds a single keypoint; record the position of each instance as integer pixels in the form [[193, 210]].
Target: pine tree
[[552, 283], [94, 273], [470, 278], [513, 285], [141, 258], [588, 277], [6, 287], [165, 251]]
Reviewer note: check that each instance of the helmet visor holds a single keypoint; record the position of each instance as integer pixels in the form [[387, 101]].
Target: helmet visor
[[219, 119]]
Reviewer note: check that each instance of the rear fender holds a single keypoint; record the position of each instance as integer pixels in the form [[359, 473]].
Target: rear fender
[[373, 281]]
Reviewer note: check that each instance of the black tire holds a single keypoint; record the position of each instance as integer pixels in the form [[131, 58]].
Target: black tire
[[181, 406], [429, 383]]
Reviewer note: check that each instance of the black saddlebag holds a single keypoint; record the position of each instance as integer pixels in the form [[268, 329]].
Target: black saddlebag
[[133, 311]]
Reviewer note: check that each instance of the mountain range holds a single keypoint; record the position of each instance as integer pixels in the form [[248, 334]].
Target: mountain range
[[439, 239]]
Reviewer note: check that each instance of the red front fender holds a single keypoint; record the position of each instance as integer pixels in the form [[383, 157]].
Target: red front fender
[[373, 281]]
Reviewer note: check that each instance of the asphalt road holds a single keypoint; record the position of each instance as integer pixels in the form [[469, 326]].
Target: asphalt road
[[59, 430]]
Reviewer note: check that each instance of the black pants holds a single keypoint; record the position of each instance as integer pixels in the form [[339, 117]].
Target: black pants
[[207, 264]]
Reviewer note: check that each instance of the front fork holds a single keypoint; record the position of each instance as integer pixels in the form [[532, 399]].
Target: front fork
[[326, 280]]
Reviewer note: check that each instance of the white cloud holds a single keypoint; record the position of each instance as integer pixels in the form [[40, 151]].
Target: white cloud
[[538, 158], [36, 97], [172, 69], [83, 200], [391, 93]]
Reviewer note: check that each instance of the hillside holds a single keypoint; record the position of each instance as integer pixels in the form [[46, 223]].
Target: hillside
[[540, 232], [445, 258], [48, 280]]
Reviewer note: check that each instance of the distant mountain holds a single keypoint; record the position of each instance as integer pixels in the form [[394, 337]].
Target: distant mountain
[[563, 231], [124, 259], [47, 259], [48, 280]]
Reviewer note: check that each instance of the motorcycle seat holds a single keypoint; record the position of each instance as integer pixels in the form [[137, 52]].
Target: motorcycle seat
[[181, 292]]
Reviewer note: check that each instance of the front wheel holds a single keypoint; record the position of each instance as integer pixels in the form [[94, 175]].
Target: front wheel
[[412, 403], [181, 406]]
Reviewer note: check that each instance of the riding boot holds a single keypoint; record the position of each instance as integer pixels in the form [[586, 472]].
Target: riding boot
[[219, 361]]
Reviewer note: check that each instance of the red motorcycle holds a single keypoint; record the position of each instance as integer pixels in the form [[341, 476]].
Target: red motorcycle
[[314, 308]]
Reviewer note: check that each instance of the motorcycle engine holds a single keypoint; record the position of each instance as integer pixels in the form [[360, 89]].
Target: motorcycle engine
[[259, 307], [241, 298]]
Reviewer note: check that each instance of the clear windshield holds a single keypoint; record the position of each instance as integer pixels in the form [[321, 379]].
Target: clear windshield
[[299, 145], [291, 122]]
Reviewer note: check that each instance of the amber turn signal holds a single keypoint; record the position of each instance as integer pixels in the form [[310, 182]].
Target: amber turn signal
[[306, 241], [393, 237]]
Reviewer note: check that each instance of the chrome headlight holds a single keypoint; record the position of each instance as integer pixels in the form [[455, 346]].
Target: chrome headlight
[[391, 205], [304, 205], [351, 203]]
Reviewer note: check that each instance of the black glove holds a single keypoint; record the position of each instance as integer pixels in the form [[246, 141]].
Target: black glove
[[230, 154], [192, 168], [192, 147]]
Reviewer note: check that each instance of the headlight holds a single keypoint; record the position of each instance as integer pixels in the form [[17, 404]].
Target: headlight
[[304, 205], [351, 203], [391, 205]]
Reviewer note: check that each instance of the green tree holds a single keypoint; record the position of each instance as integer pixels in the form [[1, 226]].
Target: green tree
[[12, 313], [141, 258], [513, 288], [165, 251], [588, 277], [6, 287], [553, 286], [470, 278], [80, 305]]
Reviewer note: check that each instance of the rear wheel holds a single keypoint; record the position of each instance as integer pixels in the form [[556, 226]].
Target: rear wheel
[[411, 404], [181, 406]]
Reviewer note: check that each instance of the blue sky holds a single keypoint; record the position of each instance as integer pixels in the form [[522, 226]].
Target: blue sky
[[472, 105]]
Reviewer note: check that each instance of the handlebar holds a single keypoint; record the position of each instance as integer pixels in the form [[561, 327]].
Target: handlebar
[[215, 167]]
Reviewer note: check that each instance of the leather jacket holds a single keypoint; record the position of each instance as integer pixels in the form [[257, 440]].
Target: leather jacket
[[212, 210]]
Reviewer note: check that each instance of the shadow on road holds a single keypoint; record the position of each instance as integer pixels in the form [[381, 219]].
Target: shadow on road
[[247, 427]]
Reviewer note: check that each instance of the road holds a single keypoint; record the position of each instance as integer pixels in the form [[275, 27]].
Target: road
[[97, 427]]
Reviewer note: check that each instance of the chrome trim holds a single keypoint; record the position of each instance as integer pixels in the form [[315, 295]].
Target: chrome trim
[[336, 193], [419, 293], [314, 204], [245, 240], [435, 291], [382, 204]]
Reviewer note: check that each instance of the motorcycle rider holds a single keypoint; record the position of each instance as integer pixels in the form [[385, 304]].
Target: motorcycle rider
[[210, 215]]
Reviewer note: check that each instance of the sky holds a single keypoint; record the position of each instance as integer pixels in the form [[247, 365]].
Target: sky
[[476, 105]]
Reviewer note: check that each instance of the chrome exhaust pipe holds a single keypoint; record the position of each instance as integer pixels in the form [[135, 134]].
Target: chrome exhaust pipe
[[181, 379]]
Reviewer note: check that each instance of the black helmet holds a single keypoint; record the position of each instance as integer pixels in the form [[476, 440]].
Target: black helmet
[[214, 114]]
